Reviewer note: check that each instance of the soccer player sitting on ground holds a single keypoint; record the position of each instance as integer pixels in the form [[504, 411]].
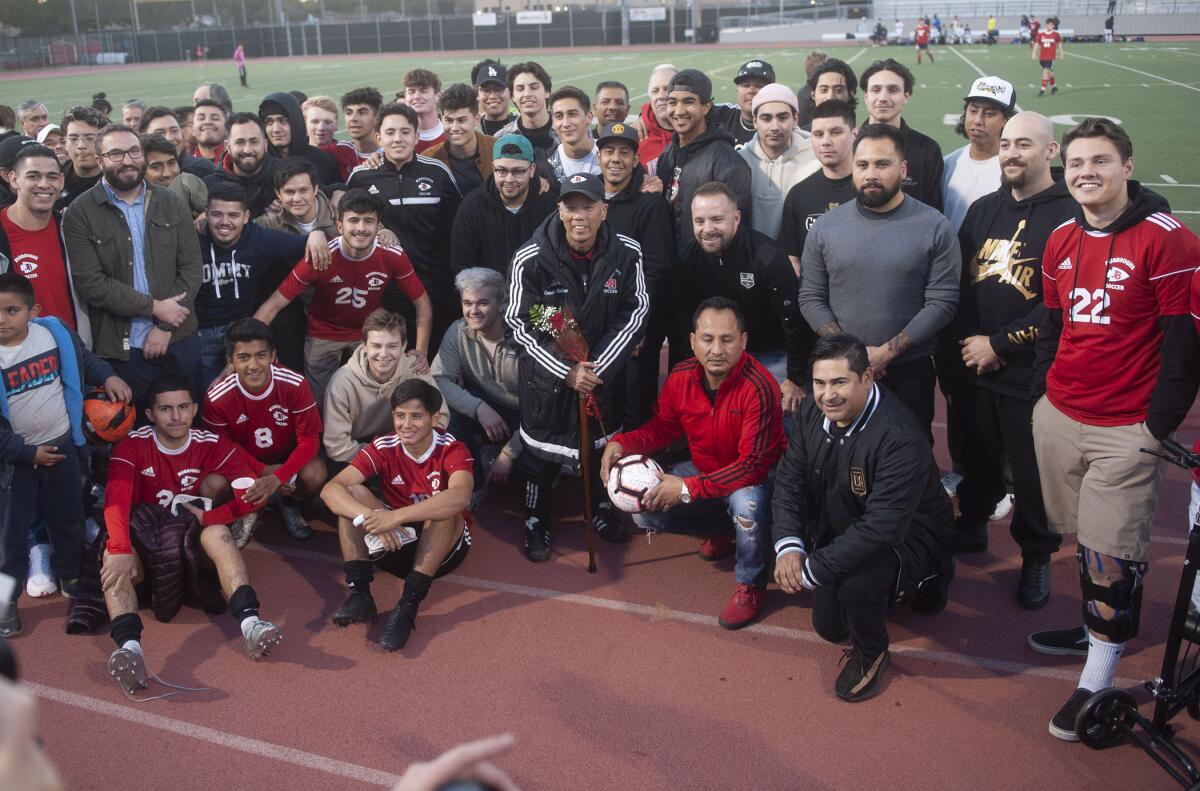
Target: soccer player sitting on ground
[[350, 290], [149, 471], [427, 478], [269, 411], [859, 514], [727, 405]]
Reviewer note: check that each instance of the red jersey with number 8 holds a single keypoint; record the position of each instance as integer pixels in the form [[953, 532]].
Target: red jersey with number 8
[[349, 289], [1112, 289], [268, 424], [1048, 41], [407, 479]]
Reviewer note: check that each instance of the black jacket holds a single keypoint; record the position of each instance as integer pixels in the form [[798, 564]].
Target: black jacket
[[73, 187], [710, 157], [198, 166], [421, 199], [1002, 240], [875, 488], [609, 303], [925, 166], [328, 170], [646, 218], [754, 272], [487, 234], [260, 187]]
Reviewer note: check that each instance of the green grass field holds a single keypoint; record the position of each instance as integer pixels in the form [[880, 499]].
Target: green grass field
[[1153, 89]]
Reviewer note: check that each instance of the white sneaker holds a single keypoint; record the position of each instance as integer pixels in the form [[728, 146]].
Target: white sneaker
[[1003, 508], [243, 529], [41, 582], [950, 482]]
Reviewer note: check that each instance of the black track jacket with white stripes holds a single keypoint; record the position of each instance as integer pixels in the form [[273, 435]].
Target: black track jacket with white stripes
[[607, 297]]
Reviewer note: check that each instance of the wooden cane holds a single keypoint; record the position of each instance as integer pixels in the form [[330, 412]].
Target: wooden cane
[[585, 460]]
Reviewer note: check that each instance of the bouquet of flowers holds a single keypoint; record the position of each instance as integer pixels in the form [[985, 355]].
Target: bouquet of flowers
[[560, 325]]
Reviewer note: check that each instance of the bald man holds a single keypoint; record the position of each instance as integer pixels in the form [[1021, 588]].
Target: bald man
[[1002, 238]]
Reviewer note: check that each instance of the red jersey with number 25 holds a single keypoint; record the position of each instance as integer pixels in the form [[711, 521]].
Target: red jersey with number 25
[[350, 288], [921, 34], [268, 425], [1048, 41], [1112, 289], [407, 479]]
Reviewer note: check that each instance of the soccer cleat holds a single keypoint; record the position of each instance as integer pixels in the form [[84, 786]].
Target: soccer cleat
[[742, 607], [716, 547], [1053, 89], [400, 625], [263, 636], [1042, 92], [1002, 509], [1060, 642], [537, 540], [128, 667], [1062, 726], [296, 524], [243, 529], [358, 608], [10, 622], [1033, 588], [950, 482], [859, 679], [40, 583], [608, 526]]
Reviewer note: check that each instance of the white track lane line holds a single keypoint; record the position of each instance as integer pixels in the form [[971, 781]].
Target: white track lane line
[[245, 744], [1130, 68]]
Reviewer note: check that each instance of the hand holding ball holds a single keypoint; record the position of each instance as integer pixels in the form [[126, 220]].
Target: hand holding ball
[[631, 477]]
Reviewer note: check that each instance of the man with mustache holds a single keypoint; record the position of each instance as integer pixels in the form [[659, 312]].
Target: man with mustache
[[886, 269], [143, 316], [974, 170], [611, 105], [888, 85], [1002, 239], [248, 162], [779, 155]]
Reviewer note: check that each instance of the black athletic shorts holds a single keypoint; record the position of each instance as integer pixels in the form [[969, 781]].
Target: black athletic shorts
[[922, 46], [399, 562], [1047, 64]]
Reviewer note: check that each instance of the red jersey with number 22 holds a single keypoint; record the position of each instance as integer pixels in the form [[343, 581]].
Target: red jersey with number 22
[[921, 34], [407, 479], [350, 289], [1112, 289], [1048, 41]]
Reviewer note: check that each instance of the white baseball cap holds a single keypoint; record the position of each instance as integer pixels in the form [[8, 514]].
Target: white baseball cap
[[995, 90], [45, 131]]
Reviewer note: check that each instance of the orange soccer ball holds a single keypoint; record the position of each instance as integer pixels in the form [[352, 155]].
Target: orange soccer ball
[[104, 419]]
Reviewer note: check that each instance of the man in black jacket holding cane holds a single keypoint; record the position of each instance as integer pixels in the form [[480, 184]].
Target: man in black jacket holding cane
[[859, 514]]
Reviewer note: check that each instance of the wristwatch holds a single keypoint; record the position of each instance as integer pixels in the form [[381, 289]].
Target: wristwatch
[[684, 495]]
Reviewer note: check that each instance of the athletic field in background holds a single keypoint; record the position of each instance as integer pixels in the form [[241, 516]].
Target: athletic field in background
[[1153, 89]]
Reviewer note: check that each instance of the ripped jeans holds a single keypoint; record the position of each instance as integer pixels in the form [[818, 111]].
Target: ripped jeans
[[749, 510]]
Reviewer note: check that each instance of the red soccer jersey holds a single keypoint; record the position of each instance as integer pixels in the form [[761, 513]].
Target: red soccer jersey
[[921, 34], [1196, 319], [1112, 290], [279, 425], [349, 289], [406, 479], [38, 256], [143, 471], [1048, 42], [1034, 27], [347, 155]]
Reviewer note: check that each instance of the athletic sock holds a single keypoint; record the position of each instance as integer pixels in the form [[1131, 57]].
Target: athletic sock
[[133, 645], [416, 586], [359, 574], [243, 603], [1043, 83], [1101, 666], [126, 628]]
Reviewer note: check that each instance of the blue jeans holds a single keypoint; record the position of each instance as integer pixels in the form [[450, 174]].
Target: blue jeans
[[212, 353], [776, 363], [182, 358], [749, 508]]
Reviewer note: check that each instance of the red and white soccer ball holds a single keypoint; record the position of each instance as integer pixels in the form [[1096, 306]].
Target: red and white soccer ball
[[629, 478]]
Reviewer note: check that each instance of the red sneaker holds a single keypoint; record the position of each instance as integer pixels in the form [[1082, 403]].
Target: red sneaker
[[742, 607], [716, 547]]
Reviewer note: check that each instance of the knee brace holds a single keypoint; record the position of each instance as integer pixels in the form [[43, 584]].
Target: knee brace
[[1123, 594]]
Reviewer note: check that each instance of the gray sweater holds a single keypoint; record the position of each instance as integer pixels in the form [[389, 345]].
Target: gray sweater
[[468, 376], [877, 274]]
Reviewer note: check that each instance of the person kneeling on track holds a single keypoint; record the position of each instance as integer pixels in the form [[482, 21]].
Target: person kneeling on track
[[860, 515], [166, 467], [427, 478]]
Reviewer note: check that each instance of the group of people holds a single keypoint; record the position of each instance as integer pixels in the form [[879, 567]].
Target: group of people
[[483, 274]]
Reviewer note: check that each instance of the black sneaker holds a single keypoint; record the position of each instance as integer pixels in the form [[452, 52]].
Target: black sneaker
[[1063, 725], [359, 608], [859, 679], [1033, 588], [970, 535], [400, 625], [1060, 642], [537, 540], [69, 588], [933, 592], [10, 622], [608, 526]]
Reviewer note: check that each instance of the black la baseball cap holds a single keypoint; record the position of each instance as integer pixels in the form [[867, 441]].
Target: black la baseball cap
[[11, 147], [692, 80], [617, 131], [755, 69], [493, 72], [583, 184]]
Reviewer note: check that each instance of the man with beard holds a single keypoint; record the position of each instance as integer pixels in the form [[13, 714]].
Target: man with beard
[[779, 155], [491, 81], [698, 153], [908, 254], [655, 118], [82, 125], [888, 85], [143, 318], [529, 84], [287, 137], [466, 150], [500, 216], [1002, 238], [208, 122], [833, 133], [162, 121], [645, 217], [738, 119], [575, 262], [248, 162], [727, 258], [611, 105], [422, 90], [974, 170]]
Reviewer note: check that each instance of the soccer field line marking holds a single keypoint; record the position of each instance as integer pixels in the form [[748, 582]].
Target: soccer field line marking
[[978, 71], [1135, 71], [660, 613], [855, 56], [1167, 178], [245, 744]]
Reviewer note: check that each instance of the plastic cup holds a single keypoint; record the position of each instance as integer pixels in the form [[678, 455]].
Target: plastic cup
[[240, 487]]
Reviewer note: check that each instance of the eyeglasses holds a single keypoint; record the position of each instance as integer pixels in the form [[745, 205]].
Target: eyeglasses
[[77, 139], [516, 173], [117, 157]]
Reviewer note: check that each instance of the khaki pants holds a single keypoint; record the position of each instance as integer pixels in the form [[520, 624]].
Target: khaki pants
[[1096, 481], [322, 358]]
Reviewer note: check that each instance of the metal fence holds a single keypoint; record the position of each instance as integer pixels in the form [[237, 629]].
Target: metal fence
[[909, 9]]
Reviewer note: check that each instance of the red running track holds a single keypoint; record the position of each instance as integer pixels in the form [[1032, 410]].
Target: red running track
[[616, 680]]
